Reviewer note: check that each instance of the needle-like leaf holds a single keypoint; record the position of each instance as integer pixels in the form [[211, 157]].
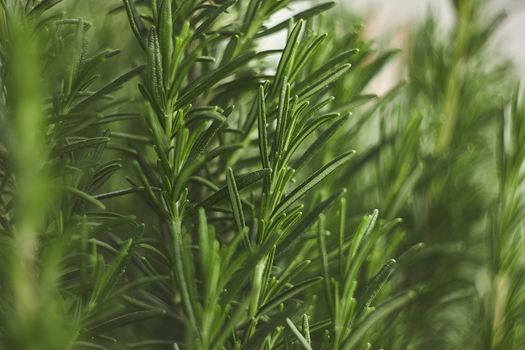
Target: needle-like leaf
[[304, 343], [311, 181]]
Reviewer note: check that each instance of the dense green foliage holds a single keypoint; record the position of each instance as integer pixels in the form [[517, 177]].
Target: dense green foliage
[[195, 189]]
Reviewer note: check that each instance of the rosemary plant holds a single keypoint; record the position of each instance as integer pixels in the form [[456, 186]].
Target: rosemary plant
[[194, 189]]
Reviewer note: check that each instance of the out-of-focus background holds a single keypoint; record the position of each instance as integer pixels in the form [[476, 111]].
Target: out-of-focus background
[[389, 17]]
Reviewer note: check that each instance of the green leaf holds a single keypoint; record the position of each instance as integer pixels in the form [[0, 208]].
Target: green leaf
[[242, 181], [321, 81], [304, 55], [205, 245], [153, 199], [324, 76], [123, 192], [136, 23], [321, 232], [152, 344], [364, 230], [303, 15], [140, 282], [230, 49], [318, 144], [374, 287], [306, 329], [289, 293], [312, 181], [182, 265], [310, 127], [208, 80], [155, 69], [342, 58], [265, 276], [235, 200], [304, 343], [207, 114], [123, 320], [251, 13], [111, 275], [288, 274], [166, 38], [261, 122], [341, 236], [283, 112], [287, 57], [212, 16], [229, 327], [79, 145], [384, 309], [405, 258], [204, 140], [84, 195], [110, 87], [43, 6], [192, 167]]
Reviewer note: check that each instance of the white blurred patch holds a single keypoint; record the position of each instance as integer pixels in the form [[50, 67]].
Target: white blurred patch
[[390, 16]]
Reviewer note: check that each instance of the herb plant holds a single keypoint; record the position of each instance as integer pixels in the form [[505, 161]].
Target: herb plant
[[195, 189]]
